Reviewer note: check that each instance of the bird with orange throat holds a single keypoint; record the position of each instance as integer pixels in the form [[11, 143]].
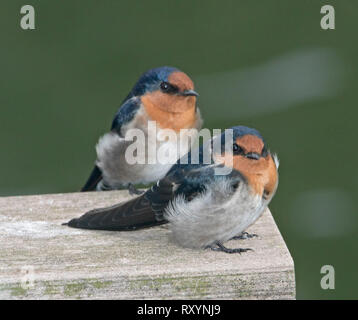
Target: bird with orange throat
[[164, 96], [206, 202]]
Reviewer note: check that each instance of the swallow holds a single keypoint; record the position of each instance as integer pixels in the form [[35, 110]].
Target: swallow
[[165, 95], [204, 209]]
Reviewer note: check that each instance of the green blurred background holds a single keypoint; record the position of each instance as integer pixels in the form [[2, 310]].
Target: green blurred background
[[266, 64]]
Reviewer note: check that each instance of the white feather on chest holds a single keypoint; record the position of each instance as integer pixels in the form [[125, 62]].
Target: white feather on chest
[[159, 149], [216, 215]]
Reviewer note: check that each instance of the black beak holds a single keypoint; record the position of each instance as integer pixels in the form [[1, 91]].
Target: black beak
[[188, 93], [252, 155]]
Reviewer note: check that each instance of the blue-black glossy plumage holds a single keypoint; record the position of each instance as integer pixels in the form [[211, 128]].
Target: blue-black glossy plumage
[[125, 114], [148, 82]]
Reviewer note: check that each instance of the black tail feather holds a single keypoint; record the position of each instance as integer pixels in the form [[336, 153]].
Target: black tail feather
[[93, 180], [130, 215]]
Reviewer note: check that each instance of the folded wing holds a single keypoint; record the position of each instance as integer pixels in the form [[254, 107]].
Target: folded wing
[[141, 212], [148, 209]]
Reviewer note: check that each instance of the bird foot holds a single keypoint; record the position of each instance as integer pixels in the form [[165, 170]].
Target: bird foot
[[220, 247], [133, 190], [244, 235]]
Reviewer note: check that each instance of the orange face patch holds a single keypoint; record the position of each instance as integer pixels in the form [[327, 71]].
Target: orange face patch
[[272, 178], [250, 143], [181, 80], [170, 111], [261, 174]]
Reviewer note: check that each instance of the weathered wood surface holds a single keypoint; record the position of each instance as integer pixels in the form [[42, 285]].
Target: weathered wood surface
[[68, 263]]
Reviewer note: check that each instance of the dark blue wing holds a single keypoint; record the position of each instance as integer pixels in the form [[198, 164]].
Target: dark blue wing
[[148, 209], [125, 114], [193, 166], [144, 211]]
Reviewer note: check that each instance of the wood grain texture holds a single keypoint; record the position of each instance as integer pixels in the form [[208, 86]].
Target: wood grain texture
[[72, 263]]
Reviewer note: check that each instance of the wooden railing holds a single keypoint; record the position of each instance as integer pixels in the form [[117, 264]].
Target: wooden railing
[[42, 259]]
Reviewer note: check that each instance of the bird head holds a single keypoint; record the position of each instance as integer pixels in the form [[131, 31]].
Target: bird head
[[167, 89], [248, 154]]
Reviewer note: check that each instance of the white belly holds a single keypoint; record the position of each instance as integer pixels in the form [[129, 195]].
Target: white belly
[[214, 216], [121, 162]]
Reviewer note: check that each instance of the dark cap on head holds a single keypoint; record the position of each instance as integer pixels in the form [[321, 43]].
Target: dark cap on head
[[150, 80]]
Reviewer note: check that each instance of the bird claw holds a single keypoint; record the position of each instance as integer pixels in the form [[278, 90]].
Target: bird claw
[[244, 235], [222, 248]]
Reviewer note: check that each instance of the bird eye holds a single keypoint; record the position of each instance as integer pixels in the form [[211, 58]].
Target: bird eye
[[237, 149], [168, 88], [164, 86]]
